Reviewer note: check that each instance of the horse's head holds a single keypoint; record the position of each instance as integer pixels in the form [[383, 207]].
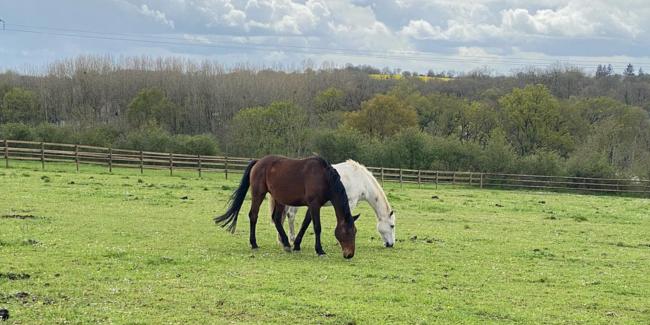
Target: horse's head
[[386, 228], [345, 233]]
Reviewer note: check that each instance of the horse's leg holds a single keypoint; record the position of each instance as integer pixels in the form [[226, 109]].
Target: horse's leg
[[256, 201], [315, 216], [277, 219], [291, 213], [281, 221], [305, 224]]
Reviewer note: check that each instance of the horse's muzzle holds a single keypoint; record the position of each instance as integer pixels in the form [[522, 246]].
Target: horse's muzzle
[[348, 256], [388, 245]]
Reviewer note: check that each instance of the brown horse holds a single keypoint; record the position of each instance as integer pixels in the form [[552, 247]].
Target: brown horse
[[307, 182]]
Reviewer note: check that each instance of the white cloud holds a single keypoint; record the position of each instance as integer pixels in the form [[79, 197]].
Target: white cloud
[[156, 15], [144, 10], [461, 29], [420, 29], [275, 56], [221, 13], [284, 16], [573, 19], [318, 7]]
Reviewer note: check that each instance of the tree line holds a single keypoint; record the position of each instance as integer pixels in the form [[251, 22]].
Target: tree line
[[560, 120]]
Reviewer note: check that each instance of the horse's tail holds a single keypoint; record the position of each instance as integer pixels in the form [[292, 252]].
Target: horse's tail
[[237, 199]]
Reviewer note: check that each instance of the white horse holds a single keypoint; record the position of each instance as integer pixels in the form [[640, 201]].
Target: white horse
[[360, 186]]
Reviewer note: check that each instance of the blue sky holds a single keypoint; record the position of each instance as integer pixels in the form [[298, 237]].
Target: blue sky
[[414, 35]]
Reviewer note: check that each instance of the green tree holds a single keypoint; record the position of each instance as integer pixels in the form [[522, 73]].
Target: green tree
[[629, 70], [152, 103], [19, 105], [16, 131], [279, 129], [533, 121], [407, 92], [498, 155], [4, 88], [542, 162], [150, 137], [410, 148], [586, 162], [101, 136], [329, 100], [610, 129], [339, 145], [381, 116], [48, 132], [202, 144]]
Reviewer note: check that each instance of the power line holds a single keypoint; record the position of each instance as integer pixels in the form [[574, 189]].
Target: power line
[[410, 55], [270, 49], [275, 46]]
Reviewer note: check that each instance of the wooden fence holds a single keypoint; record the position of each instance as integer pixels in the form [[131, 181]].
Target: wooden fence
[[109, 157]]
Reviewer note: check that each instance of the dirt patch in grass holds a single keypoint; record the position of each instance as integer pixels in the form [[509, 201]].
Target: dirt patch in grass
[[18, 216], [15, 276]]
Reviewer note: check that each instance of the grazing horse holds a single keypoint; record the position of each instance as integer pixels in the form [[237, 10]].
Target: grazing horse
[[360, 186], [307, 182]]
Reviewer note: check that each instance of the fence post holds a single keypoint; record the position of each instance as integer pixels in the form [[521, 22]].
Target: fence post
[[419, 184], [42, 155], [481, 180], [400, 178], [6, 153], [436, 179], [382, 176], [171, 164], [110, 160], [76, 156], [199, 166], [141, 162], [226, 167], [453, 182], [470, 179]]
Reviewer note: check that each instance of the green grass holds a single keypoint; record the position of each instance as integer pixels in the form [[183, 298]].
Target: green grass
[[124, 248]]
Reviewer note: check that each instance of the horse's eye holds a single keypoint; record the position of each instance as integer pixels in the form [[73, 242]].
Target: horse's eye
[[392, 226]]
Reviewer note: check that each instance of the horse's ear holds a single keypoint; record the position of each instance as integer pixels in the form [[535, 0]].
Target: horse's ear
[[356, 217]]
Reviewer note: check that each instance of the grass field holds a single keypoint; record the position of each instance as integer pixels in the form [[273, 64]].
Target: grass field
[[126, 248]]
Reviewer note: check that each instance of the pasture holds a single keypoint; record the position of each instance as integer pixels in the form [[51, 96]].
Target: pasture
[[123, 248]]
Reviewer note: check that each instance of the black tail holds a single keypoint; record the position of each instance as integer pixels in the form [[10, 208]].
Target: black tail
[[237, 199]]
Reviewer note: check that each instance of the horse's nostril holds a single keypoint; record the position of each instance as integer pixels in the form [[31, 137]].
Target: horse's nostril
[[349, 256], [389, 245]]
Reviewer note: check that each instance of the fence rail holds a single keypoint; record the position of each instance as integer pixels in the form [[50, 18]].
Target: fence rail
[[109, 157]]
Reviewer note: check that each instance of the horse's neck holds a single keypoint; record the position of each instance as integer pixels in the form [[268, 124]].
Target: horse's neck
[[376, 197], [337, 203]]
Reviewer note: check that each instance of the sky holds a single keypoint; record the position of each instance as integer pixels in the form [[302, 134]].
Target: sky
[[413, 35]]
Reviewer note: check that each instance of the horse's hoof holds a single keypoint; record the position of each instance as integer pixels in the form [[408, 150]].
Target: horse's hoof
[[287, 248], [322, 255], [297, 251], [255, 249]]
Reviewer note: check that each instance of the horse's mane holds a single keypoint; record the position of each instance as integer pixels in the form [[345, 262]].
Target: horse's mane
[[372, 179], [334, 179], [360, 166]]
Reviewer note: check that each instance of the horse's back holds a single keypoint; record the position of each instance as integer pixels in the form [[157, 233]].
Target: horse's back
[[290, 181], [354, 178]]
